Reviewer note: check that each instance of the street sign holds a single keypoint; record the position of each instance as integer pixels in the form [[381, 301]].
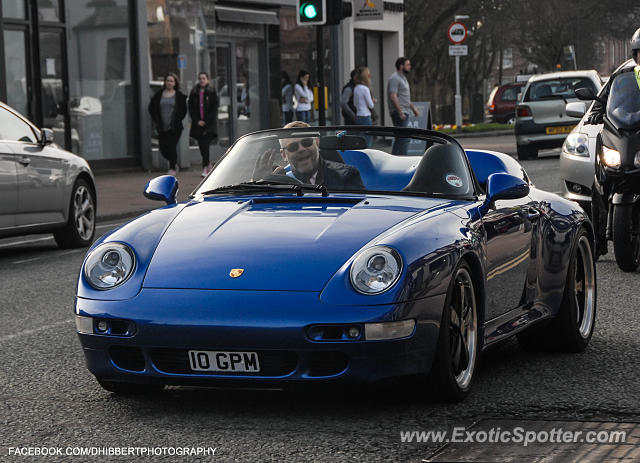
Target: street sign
[[182, 61], [458, 50], [369, 9], [457, 33]]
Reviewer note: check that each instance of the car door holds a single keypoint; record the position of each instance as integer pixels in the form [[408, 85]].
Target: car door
[[8, 188], [40, 172], [508, 230]]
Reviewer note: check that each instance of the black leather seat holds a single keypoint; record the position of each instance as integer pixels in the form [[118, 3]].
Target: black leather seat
[[331, 155], [442, 170]]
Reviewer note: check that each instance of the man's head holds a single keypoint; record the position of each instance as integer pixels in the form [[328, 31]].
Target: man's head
[[302, 153], [353, 73], [403, 65], [635, 45]]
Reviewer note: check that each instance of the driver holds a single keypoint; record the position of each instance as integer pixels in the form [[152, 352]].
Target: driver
[[599, 203], [307, 166]]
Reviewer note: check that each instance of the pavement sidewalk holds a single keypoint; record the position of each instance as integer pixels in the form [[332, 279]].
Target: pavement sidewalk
[[120, 194]]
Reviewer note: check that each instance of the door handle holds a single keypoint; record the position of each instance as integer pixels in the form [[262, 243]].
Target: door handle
[[534, 214], [25, 161]]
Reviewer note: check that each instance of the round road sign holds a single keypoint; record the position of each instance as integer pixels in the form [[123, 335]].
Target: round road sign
[[457, 33]]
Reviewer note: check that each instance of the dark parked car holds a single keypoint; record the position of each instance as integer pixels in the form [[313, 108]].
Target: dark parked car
[[501, 105]]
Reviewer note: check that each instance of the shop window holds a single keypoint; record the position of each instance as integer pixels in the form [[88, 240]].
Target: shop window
[[103, 117], [14, 9]]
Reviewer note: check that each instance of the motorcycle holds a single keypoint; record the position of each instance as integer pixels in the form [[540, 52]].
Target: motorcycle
[[617, 169]]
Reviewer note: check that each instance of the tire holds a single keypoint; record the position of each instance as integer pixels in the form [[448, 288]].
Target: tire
[[81, 223], [527, 152], [626, 236], [121, 388], [572, 328], [452, 372]]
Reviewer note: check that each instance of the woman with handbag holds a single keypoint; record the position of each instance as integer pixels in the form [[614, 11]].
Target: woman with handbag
[[167, 108]]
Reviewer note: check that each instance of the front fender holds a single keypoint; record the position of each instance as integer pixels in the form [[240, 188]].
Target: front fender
[[142, 235]]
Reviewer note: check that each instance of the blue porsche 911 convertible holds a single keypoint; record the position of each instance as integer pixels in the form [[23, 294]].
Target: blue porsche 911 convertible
[[317, 255]]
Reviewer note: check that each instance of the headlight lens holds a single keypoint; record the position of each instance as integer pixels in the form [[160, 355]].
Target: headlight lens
[[109, 265], [610, 157], [375, 270], [576, 144], [636, 160]]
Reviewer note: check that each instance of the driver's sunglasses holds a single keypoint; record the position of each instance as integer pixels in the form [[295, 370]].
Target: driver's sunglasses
[[295, 146]]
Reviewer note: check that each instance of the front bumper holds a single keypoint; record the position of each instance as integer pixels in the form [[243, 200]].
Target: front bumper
[[576, 173], [167, 323]]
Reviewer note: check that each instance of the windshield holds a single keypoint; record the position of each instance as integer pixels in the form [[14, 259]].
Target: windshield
[[557, 89], [337, 160], [623, 107]]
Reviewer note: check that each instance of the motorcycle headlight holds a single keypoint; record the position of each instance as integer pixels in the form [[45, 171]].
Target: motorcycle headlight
[[109, 265], [610, 157], [576, 144], [375, 270], [636, 160]]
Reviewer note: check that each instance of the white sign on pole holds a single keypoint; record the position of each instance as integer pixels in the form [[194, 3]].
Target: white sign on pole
[[458, 50], [457, 33]]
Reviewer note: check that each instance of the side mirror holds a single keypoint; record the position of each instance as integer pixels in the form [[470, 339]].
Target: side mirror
[[505, 186], [163, 188], [47, 137], [585, 94], [576, 109]]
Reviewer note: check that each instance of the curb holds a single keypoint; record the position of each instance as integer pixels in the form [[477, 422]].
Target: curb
[[489, 133], [121, 215]]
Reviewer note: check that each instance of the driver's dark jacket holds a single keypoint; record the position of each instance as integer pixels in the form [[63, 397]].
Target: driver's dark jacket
[[338, 176]]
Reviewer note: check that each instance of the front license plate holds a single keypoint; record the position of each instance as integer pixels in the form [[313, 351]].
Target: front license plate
[[561, 129], [208, 360]]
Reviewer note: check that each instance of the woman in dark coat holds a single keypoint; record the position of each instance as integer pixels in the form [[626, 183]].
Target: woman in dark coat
[[167, 108], [203, 109]]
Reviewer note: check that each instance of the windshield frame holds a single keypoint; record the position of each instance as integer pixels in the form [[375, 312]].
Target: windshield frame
[[383, 131]]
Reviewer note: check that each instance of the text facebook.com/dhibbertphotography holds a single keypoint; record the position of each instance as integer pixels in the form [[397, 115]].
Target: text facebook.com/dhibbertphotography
[[133, 452], [516, 435]]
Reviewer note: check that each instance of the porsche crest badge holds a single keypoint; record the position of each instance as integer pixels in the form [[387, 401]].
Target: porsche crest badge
[[236, 272]]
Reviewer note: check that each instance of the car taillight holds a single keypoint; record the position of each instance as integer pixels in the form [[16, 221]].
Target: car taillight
[[492, 107], [523, 111]]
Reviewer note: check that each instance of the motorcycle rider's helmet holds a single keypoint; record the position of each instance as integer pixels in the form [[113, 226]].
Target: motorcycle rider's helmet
[[635, 45]]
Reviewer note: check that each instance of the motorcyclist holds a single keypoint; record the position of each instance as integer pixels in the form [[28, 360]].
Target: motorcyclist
[[599, 203]]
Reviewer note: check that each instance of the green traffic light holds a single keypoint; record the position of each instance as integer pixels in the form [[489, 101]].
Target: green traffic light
[[308, 10]]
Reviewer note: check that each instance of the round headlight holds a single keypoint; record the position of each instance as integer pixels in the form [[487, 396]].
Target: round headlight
[[109, 265], [576, 144], [610, 157], [375, 270]]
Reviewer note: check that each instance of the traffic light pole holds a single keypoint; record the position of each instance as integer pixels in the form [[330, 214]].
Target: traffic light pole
[[322, 121]]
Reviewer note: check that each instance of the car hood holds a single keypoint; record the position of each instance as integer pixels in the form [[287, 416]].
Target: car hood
[[278, 243]]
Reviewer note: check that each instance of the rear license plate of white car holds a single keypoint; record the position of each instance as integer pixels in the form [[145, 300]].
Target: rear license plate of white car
[[561, 129], [207, 360]]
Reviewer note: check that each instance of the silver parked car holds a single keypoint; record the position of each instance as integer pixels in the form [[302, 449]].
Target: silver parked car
[[44, 189], [577, 157], [541, 119]]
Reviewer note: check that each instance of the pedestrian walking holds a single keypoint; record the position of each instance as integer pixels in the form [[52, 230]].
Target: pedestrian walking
[[287, 98], [362, 98], [203, 109], [400, 106], [167, 108], [346, 101], [304, 95]]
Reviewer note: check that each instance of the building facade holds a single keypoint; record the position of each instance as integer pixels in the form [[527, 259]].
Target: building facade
[[88, 68]]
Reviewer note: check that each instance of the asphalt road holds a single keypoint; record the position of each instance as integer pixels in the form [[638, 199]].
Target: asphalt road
[[49, 399]]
